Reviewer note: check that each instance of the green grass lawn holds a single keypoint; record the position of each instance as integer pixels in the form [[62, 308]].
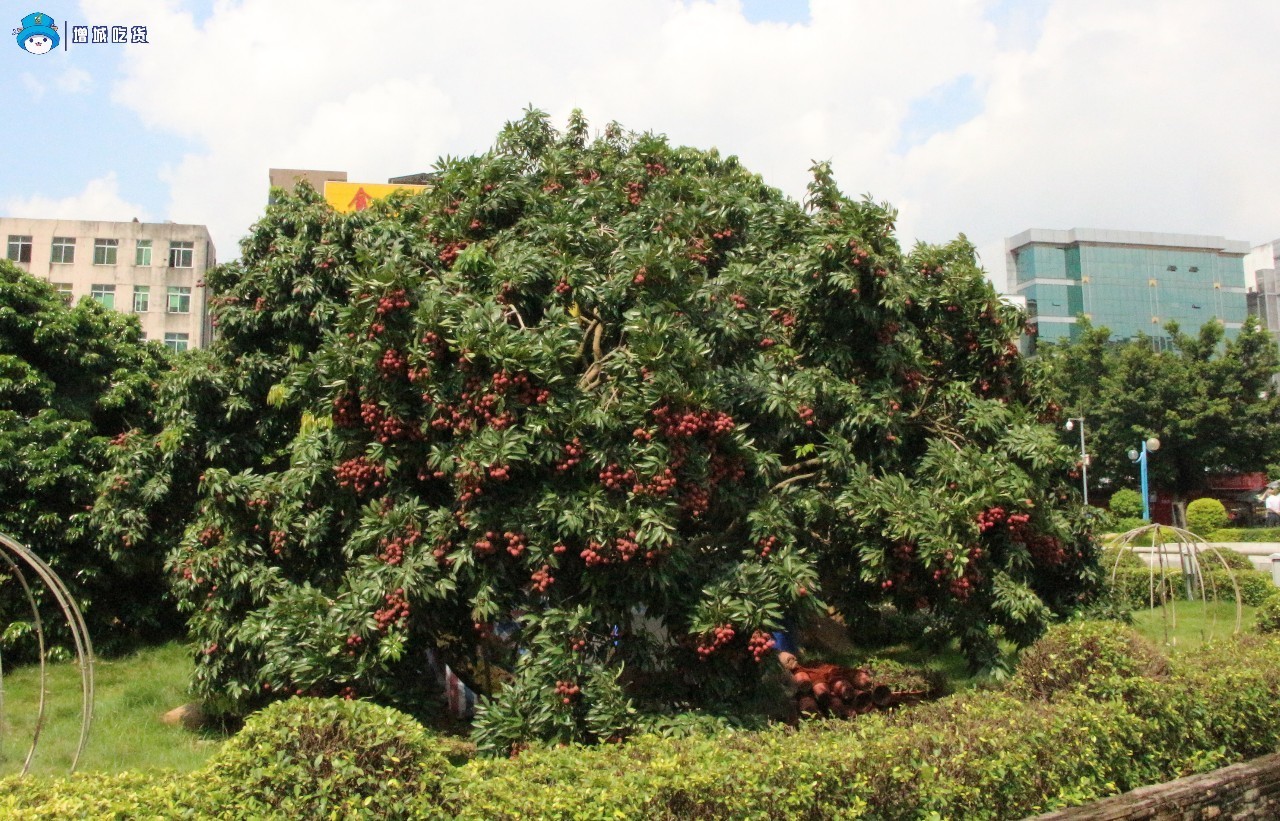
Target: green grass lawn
[[1191, 623], [132, 693]]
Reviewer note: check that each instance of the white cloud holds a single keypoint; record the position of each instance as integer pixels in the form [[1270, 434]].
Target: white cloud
[[74, 80], [32, 85], [98, 200], [1146, 115]]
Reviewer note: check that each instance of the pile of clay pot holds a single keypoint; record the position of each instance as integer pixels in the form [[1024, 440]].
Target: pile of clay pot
[[841, 692]]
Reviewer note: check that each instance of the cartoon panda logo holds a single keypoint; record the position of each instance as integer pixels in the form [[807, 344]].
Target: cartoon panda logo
[[37, 34]]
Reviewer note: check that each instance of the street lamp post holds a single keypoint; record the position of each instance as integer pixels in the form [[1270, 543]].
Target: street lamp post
[[1150, 445], [1084, 457]]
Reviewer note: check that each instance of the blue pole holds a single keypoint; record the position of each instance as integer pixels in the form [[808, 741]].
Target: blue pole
[[1146, 497]]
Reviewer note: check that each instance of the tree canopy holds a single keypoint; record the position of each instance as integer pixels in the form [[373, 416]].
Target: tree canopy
[[73, 380], [619, 394]]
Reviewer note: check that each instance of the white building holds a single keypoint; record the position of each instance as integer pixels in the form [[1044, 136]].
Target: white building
[[1262, 272], [152, 270]]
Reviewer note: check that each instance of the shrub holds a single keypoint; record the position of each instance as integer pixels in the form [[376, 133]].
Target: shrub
[[1206, 515], [1214, 557], [1255, 586], [313, 758], [982, 755], [1267, 616], [1078, 655], [1126, 503], [1114, 557]]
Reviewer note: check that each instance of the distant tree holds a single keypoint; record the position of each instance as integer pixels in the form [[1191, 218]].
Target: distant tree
[[1209, 400], [73, 382]]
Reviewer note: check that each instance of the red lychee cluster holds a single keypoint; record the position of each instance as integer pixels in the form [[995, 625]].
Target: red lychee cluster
[[567, 691], [385, 427], [739, 302], [712, 641], [451, 251], [393, 550], [674, 424], [392, 302], [396, 610], [563, 288], [516, 543], [655, 169], [767, 545], [997, 515], [209, 536], [572, 455], [727, 233], [698, 251], [787, 318], [635, 192], [613, 477], [695, 501], [393, 364], [806, 415], [724, 467], [542, 579], [360, 475], [353, 643], [622, 549], [486, 545], [346, 411], [279, 540], [659, 485], [760, 645]]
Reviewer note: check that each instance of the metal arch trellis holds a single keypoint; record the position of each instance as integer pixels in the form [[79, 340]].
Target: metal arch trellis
[[79, 636], [1186, 547]]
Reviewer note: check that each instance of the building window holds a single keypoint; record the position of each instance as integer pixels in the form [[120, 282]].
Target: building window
[[64, 290], [104, 294], [104, 251], [181, 254], [64, 250], [179, 299], [141, 299], [19, 248], [176, 342], [142, 253]]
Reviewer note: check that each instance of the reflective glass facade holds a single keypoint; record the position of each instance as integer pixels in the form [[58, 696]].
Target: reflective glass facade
[[1127, 281]]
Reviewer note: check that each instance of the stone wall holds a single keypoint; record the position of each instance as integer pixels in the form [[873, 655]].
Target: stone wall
[[1242, 791]]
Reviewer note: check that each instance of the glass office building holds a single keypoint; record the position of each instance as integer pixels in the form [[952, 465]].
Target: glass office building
[[1131, 282]]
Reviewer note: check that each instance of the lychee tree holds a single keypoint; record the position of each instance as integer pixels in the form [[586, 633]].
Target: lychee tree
[[629, 401], [74, 379]]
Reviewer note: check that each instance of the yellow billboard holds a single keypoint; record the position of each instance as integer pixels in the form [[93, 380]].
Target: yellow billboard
[[357, 196]]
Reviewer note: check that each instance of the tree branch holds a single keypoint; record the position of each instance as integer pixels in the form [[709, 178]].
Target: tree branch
[[807, 463], [793, 479]]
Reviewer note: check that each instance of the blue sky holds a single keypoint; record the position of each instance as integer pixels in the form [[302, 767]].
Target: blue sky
[[977, 116]]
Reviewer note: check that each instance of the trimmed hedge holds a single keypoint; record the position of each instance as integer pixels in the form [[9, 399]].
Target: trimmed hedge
[[979, 755], [1132, 587], [1267, 618], [1245, 534]]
